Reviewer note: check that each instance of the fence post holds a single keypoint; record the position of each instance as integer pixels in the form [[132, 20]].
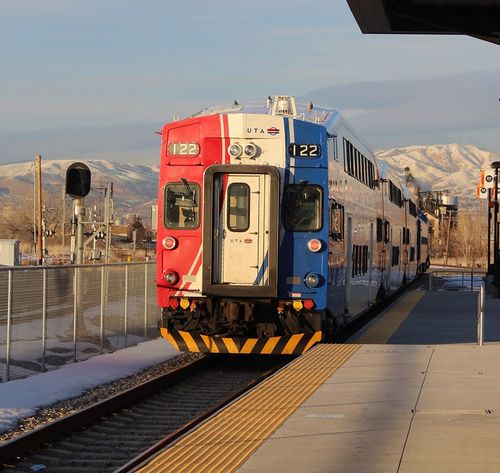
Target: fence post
[[101, 315], [471, 279], [480, 316], [75, 310], [9, 323], [145, 301], [430, 281], [125, 323], [44, 315]]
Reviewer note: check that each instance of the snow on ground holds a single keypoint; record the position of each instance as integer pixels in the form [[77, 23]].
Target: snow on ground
[[21, 398]]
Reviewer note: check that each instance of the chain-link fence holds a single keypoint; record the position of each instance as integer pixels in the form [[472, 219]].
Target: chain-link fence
[[57, 314]]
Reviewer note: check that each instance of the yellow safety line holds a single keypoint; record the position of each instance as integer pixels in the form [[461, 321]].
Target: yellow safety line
[[227, 439], [385, 328]]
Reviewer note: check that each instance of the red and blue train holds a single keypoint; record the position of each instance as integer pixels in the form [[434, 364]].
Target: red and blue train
[[276, 227]]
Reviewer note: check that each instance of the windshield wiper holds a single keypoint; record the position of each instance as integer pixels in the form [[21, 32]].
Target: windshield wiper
[[189, 191]]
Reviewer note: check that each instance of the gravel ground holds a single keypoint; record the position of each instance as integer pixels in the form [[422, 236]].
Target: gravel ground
[[68, 406]]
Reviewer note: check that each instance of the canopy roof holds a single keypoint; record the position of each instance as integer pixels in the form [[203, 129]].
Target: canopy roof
[[477, 18]]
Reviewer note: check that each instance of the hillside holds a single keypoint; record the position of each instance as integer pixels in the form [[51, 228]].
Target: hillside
[[451, 167], [437, 167], [134, 185]]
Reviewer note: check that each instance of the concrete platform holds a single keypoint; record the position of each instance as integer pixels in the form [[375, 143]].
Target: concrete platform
[[429, 401]]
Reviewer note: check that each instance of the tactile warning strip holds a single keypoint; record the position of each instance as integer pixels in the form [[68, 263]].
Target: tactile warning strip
[[382, 330], [226, 440]]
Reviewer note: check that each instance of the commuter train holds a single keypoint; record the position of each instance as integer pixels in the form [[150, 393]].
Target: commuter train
[[276, 228]]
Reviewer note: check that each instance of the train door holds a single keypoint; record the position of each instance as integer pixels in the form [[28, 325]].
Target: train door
[[240, 231], [348, 263]]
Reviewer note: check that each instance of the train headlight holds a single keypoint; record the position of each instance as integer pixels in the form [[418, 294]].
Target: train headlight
[[235, 150], [314, 245], [171, 277], [251, 150], [312, 280], [169, 243]]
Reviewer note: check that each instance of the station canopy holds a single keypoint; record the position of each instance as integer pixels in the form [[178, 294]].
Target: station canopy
[[477, 18]]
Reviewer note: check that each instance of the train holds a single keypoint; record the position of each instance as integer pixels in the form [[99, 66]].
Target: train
[[276, 228]]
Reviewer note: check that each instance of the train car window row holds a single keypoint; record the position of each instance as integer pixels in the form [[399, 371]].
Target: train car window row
[[358, 166], [395, 194], [359, 260], [336, 221], [181, 205], [303, 208], [395, 255], [424, 241], [238, 209], [412, 208], [383, 230]]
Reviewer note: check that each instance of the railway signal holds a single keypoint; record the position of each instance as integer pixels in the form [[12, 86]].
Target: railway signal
[[78, 178]]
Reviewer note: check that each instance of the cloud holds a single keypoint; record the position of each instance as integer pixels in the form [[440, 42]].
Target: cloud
[[427, 109]]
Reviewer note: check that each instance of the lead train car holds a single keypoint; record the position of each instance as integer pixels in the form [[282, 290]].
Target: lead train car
[[275, 227]]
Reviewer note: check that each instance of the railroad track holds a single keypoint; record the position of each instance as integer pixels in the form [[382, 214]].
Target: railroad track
[[112, 433]]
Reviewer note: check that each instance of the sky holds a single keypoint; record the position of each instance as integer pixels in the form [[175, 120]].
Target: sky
[[95, 79]]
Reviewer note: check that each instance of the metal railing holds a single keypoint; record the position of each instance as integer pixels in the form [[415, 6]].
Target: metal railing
[[51, 315], [456, 279]]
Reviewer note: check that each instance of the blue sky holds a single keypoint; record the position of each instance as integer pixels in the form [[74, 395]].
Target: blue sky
[[104, 75]]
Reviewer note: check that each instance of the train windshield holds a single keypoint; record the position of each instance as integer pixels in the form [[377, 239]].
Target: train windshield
[[303, 208], [181, 205]]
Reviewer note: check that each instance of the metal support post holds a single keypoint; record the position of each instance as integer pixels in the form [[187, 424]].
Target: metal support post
[[125, 296], [44, 316], [480, 316], [9, 326], [75, 309], [103, 299], [145, 301], [79, 213], [489, 232], [430, 281]]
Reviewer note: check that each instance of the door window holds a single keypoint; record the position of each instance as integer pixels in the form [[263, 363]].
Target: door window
[[238, 209]]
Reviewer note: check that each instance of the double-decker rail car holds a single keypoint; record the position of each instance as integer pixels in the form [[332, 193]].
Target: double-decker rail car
[[275, 228]]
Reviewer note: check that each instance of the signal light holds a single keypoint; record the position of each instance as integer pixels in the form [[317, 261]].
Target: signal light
[[184, 303], [169, 243], [297, 305], [78, 177], [235, 150], [308, 304], [314, 245], [312, 280], [173, 303], [171, 277], [251, 150]]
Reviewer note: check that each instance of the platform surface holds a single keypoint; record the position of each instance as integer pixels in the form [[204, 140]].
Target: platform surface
[[427, 401]]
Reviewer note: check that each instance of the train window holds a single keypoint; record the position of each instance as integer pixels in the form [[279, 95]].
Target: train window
[[238, 208], [182, 205], [303, 207], [337, 222]]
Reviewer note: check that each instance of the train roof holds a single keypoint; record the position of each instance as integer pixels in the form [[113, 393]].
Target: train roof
[[306, 112]]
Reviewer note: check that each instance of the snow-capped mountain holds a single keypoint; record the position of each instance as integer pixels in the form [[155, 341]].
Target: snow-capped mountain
[[452, 167], [133, 184]]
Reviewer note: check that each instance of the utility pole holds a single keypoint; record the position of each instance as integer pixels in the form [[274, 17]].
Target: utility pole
[[39, 249]]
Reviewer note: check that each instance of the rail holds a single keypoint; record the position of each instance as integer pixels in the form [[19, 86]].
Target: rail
[[51, 315]]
